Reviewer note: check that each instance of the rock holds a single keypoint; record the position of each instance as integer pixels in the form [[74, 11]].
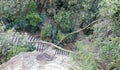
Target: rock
[[36, 61]]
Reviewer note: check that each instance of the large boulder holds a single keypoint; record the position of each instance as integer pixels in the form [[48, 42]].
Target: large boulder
[[36, 61]]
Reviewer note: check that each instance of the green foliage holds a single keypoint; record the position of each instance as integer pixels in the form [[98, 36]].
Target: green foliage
[[34, 18], [5, 44], [63, 21], [83, 57], [16, 50], [32, 7], [22, 25], [60, 35], [54, 35], [118, 6], [2, 27], [116, 26], [86, 10], [102, 31], [12, 7], [107, 7], [26, 17], [30, 47], [45, 31], [50, 33], [110, 53], [71, 38]]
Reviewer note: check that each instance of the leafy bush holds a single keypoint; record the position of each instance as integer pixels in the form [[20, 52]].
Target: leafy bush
[[60, 35], [116, 25], [5, 45], [87, 10], [102, 31], [45, 30], [12, 7], [52, 34], [107, 8], [16, 50], [25, 17], [83, 57], [34, 19], [63, 21], [32, 16], [2, 27], [20, 24], [23, 25], [110, 53], [32, 8], [106, 45]]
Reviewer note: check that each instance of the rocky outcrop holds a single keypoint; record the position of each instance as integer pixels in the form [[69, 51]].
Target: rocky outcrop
[[36, 61]]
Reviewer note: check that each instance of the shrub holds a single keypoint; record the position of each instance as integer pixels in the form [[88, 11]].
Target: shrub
[[45, 31], [60, 35], [116, 26], [16, 50], [20, 24], [110, 53], [25, 17], [116, 19], [83, 57], [23, 25], [12, 7], [102, 31], [107, 7], [32, 7], [34, 19], [5, 45], [2, 26], [63, 21]]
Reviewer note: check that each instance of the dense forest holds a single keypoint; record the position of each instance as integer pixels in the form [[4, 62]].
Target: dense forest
[[90, 29]]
